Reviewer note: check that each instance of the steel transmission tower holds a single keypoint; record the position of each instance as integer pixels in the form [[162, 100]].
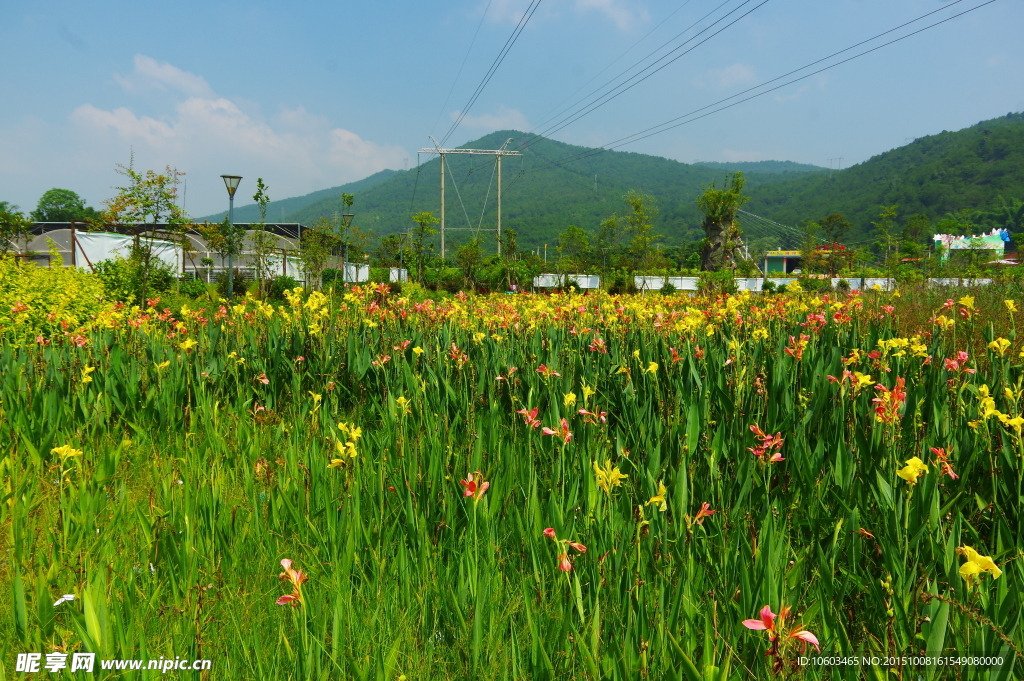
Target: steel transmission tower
[[497, 153]]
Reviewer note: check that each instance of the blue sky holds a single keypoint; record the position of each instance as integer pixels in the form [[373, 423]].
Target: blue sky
[[310, 95]]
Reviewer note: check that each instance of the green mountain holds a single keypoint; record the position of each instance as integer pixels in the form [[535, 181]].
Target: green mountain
[[762, 166], [281, 211], [554, 185], [951, 172], [543, 191]]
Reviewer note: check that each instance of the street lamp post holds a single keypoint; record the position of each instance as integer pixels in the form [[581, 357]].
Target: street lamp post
[[231, 182]]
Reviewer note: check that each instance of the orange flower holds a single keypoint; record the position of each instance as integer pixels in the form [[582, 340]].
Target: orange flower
[[296, 579]]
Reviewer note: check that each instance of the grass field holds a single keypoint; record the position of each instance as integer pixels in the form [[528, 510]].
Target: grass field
[[519, 487]]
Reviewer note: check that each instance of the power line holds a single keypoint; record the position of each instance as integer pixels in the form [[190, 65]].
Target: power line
[[548, 115], [671, 124], [525, 19], [461, 67], [628, 85]]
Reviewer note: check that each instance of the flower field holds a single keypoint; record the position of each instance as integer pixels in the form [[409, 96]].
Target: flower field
[[518, 486]]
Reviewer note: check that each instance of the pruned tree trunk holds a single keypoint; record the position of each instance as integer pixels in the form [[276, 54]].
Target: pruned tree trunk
[[720, 246]]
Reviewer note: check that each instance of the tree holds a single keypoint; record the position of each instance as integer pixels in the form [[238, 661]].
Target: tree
[[13, 226], [224, 238], [639, 226], [148, 199], [315, 247], [721, 233], [263, 242], [424, 228], [915, 232], [469, 257], [62, 205], [574, 248], [886, 228]]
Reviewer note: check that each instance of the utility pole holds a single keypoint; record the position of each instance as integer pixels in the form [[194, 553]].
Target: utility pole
[[497, 153], [497, 160]]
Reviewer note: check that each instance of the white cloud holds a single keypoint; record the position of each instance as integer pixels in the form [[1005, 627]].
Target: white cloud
[[737, 74], [204, 135], [623, 16], [505, 119], [149, 73], [739, 156]]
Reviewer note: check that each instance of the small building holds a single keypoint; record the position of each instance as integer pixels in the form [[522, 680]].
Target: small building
[[994, 241], [781, 262]]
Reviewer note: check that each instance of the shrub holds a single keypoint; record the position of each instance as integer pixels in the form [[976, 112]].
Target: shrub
[[124, 280], [193, 288], [768, 286], [29, 294], [238, 287], [668, 289], [714, 283], [280, 284]]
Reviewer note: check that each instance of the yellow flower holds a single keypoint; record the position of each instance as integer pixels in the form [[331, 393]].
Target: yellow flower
[[187, 344], [622, 370], [659, 498], [497, 338], [1010, 305], [915, 467], [66, 451], [967, 301], [418, 350], [569, 399], [316, 397], [759, 334], [588, 392], [976, 564], [477, 337], [1000, 345], [636, 354], [608, 476], [86, 378], [346, 448], [163, 365], [863, 380], [336, 463], [652, 368], [403, 405]]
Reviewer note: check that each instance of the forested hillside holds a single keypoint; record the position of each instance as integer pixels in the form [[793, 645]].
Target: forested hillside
[[951, 172], [544, 191], [555, 185]]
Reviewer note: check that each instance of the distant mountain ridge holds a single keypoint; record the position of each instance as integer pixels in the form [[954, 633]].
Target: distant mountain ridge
[[554, 185], [761, 166], [280, 211]]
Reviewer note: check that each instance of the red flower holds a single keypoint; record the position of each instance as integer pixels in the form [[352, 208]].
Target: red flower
[[475, 486]]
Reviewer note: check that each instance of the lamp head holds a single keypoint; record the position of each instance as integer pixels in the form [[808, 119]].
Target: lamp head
[[231, 182]]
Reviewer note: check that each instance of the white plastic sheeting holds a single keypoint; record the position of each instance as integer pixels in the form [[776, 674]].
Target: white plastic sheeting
[[585, 281], [99, 246], [398, 274]]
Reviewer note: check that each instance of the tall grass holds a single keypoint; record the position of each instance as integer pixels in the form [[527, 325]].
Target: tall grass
[[204, 466]]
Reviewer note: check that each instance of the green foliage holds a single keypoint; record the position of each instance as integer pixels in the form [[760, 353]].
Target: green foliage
[[280, 285], [668, 289], [123, 278], [62, 205], [315, 247], [716, 283], [46, 300], [13, 227], [193, 288]]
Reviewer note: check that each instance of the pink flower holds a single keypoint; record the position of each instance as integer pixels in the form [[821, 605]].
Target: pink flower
[[530, 417], [550, 533], [296, 579], [766, 622], [564, 434], [578, 546], [564, 564], [262, 378]]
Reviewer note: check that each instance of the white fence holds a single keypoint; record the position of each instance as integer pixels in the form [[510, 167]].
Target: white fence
[[650, 283]]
